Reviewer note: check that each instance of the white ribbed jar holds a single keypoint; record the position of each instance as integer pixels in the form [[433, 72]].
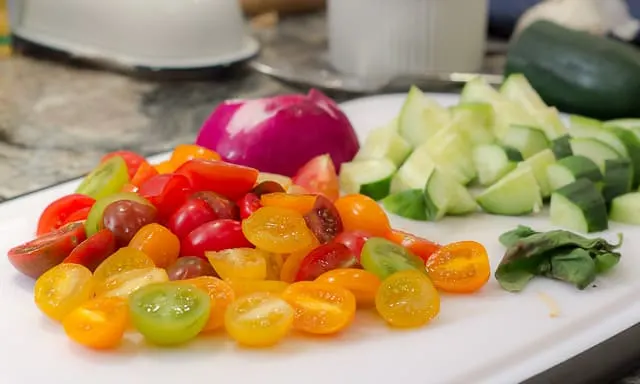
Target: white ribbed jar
[[405, 37]]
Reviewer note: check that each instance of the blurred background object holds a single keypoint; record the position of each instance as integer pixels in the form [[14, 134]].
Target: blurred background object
[[5, 33], [257, 7]]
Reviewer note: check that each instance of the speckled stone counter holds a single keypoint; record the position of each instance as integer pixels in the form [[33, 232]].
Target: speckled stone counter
[[58, 118]]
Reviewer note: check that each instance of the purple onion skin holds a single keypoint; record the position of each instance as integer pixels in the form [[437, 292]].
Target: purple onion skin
[[280, 134]]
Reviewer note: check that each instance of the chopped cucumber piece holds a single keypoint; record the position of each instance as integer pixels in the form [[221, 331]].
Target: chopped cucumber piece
[[594, 149], [474, 121], [368, 177], [492, 163], [592, 128], [421, 117], [561, 147], [527, 140], [630, 124], [409, 204], [517, 88], [618, 177], [566, 171], [579, 207], [384, 143], [413, 174], [626, 209], [550, 122], [509, 113], [631, 141], [477, 90], [452, 152], [442, 195], [539, 164], [515, 194]]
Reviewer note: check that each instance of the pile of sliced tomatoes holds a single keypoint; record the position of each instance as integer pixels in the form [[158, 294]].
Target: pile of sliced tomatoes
[[194, 245]]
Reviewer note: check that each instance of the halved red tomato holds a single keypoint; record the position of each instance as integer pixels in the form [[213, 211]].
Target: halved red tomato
[[132, 159], [45, 252], [57, 213], [167, 192], [93, 250], [79, 215], [230, 180], [422, 248], [319, 175], [325, 258]]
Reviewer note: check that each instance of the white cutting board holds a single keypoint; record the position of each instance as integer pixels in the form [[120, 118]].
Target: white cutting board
[[491, 337]]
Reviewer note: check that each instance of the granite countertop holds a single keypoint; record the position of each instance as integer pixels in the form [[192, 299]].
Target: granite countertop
[[57, 117]]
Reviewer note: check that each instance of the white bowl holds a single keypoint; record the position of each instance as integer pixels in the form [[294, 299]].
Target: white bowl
[[148, 33], [406, 37]]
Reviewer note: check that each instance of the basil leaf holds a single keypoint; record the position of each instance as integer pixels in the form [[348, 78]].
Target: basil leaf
[[509, 238], [514, 281], [573, 266], [606, 260]]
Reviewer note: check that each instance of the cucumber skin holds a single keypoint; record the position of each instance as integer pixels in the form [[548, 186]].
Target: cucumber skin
[[377, 190], [632, 142], [573, 164], [618, 177], [578, 72], [561, 147], [596, 215], [409, 204]]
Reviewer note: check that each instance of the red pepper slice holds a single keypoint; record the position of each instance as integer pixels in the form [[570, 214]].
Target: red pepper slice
[[58, 212]]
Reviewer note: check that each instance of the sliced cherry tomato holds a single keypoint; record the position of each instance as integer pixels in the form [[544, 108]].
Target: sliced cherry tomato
[[93, 250], [125, 283], [95, 219], [99, 323], [248, 205], [319, 176], [221, 295], [259, 320], [461, 267], [364, 285], [62, 288], [239, 263], [384, 258], [56, 214], [277, 230], [324, 220], [407, 299], [169, 313], [422, 248], [325, 258], [320, 308], [157, 242], [360, 212], [165, 167], [354, 240], [124, 218], [190, 267], [291, 265], [106, 179], [129, 188], [166, 192], [214, 236], [144, 173], [124, 259], [246, 287], [45, 252], [132, 159], [284, 181], [230, 180], [223, 207], [268, 186], [300, 203], [79, 215], [185, 152], [192, 214]]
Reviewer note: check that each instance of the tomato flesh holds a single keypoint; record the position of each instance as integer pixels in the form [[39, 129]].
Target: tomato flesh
[[167, 192], [384, 258], [144, 173], [106, 179], [63, 288], [325, 258], [277, 230], [57, 213], [185, 152], [214, 236], [221, 206], [248, 205], [125, 283], [300, 203], [324, 220], [422, 248], [93, 250], [364, 285], [230, 180], [259, 319], [79, 215], [239, 263], [124, 259], [407, 299], [169, 313], [45, 252], [99, 323], [131, 159], [319, 175], [190, 267], [221, 295], [157, 242], [354, 240], [461, 267]]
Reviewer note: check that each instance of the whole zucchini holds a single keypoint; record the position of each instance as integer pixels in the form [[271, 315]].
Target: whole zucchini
[[578, 72]]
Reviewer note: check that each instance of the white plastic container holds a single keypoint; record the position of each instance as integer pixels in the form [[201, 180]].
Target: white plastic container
[[406, 37], [158, 33]]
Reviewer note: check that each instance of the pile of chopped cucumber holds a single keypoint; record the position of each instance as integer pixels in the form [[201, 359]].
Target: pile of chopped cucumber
[[507, 147]]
